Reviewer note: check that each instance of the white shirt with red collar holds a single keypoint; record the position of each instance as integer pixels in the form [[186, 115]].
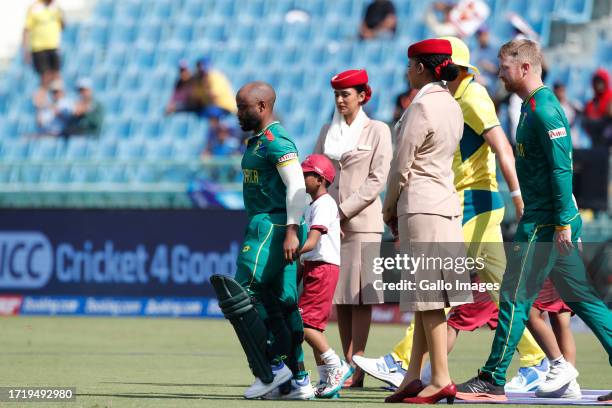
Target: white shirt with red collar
[[322, 214]]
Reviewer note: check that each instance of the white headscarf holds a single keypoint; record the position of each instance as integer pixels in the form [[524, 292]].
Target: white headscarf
[[342, 137]]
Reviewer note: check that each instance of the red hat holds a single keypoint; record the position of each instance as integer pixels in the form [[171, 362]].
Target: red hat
[[430, 46], [321, 165], [351, 78]]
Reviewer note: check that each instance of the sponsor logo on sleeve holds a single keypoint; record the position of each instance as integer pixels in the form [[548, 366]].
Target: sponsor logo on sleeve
[[287, 157], [557, 133]]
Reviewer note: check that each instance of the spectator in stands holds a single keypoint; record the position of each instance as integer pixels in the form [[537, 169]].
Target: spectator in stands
[[179, 101], [460, 20], [572, 110], [211, 92], [41, 40], [485, 57], [598, 112], [403, 100], [222, 141], [88, 113], [380, 20], [52, 116]]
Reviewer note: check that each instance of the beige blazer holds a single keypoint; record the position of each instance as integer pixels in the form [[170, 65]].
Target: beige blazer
[[361, 175], [421, 176]]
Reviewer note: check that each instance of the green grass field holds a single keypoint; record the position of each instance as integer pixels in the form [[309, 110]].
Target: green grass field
[[194, 363]]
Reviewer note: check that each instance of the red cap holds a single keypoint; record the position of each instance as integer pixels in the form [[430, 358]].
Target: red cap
[[430, 46], [352, 78], [321, 165]]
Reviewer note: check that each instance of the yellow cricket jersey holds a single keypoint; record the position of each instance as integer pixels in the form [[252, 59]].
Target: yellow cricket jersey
[[44, 24], [474, 162]]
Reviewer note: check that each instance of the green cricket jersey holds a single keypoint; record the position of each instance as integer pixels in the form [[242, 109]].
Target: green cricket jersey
[[544, 157], [262, 187]]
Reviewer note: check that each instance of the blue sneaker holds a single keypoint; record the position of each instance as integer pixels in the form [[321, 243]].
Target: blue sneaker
[[528, 378], [383, 368]]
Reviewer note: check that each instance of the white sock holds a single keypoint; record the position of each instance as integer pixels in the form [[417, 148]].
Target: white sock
[[558, 361], [322, 369], [331, 358]]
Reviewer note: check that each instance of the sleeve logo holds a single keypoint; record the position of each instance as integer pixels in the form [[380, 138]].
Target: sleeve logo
[[287, 157], [557, 133]]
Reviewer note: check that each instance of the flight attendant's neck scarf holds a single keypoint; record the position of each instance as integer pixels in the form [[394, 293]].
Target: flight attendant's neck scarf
[[342, 137]]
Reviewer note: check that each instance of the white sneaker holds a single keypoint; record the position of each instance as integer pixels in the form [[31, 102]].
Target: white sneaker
[[573, 391], [282, 373], [558, 376], [383, 368], [426, 374], [336, 376], [300, 390], [528, 378]]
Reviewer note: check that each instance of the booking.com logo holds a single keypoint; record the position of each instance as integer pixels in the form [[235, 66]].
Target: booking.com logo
[[26, 260]]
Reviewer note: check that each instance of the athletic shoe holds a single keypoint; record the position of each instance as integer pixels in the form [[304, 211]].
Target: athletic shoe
[[300, 390], [605, 398], [528, 378], [383, 368], [336, 376], [281, 373], [426, 374], [573, 391], [481, 389], [559, 376]]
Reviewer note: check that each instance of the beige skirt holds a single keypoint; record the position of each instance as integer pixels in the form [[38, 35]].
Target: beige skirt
[[355, 283], [438, 241]]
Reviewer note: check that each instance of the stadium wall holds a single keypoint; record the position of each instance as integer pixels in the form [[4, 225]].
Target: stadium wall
[[115, 262]]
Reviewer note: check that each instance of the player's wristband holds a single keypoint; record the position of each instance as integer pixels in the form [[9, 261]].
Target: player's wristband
[[562, 227], [515, 193]]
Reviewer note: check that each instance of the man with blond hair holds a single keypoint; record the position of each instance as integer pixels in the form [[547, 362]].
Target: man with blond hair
[[483, 211], [544, 169]]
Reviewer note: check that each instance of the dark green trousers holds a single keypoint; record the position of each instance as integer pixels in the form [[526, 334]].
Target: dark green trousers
[[532, 258]]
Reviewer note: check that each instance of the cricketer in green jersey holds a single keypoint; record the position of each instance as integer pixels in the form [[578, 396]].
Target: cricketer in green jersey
[[544, 169], [274, 198]]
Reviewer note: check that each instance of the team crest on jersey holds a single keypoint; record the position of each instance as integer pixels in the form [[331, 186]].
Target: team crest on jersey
[[259, 149], [246, 248], [557, 133], [269, 135]]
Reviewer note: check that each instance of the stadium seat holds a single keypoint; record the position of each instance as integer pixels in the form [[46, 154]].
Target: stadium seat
[[15, 149], [162, 10], [158, 149], [105, 149], [111, 173], [130, 149], [46, 148], [574, 11], [77, 148], [82, 173], [59, 173]]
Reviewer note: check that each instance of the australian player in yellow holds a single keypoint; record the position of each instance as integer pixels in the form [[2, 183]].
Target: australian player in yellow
[[483, 211]]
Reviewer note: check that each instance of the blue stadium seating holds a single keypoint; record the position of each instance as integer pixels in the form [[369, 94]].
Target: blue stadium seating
[[130, 49]]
